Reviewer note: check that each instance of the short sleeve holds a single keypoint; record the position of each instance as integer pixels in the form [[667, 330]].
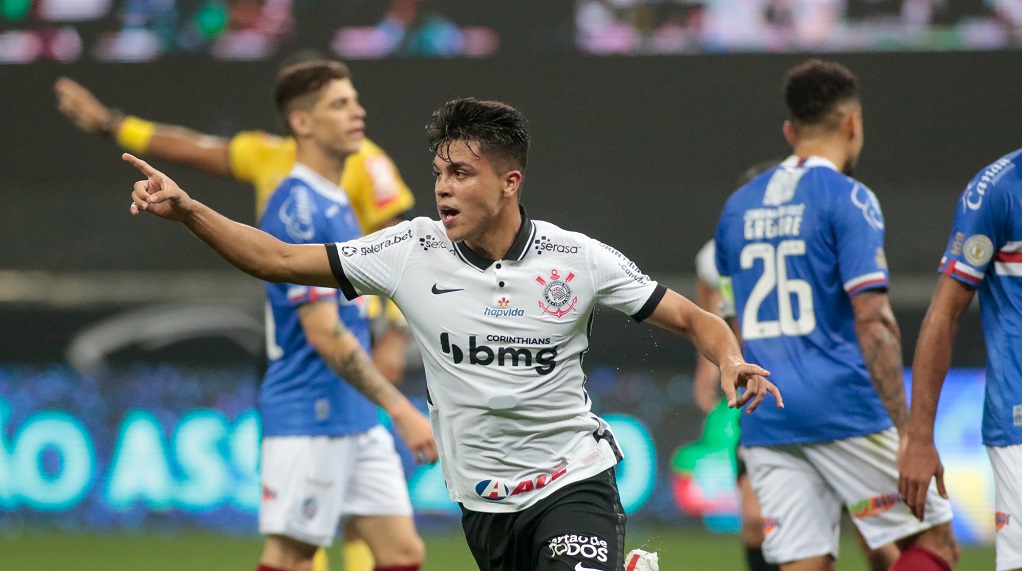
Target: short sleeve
[[372, 264], [620, 284], [859, 239], [377, 192], [248, 151], [978, 235]]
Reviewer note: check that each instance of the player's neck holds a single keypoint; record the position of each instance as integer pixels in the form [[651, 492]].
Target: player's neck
[[824, 148], [324, 164], [499, 237]]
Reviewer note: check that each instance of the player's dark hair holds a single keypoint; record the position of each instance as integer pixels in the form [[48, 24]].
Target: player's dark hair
[[815, 89], [496, 127], [299, 84]]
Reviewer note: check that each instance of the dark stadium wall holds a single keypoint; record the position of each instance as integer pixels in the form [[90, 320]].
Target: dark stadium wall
[[640, 152]]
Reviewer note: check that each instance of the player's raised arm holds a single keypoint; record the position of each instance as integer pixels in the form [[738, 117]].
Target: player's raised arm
[[169, 142], [249, 249], [714, 340]]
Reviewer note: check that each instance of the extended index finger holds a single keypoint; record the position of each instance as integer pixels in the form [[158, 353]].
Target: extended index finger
[[141, 165]]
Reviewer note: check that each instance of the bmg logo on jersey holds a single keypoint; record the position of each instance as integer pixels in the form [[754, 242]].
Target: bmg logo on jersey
[[542, 360], [573, 545]]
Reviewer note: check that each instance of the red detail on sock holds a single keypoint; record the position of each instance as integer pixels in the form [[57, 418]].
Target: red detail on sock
[[917, 558], [267, 568], [631, 563], [399, 568]]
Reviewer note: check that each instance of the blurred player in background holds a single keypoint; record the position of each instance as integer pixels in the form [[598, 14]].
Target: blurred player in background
[[374, 187], [800, 253], [707, 397], [521, 451], [984, 252], [324, 455]]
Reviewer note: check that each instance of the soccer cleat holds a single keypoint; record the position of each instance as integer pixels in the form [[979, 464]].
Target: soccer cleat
[[639, 560]]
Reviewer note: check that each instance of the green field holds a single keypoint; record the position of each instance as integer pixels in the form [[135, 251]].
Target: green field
[[679, 551]]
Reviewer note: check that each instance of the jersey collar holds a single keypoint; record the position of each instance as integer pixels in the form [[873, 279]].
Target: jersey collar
[[319, 184], [808, 162], [519, 248]]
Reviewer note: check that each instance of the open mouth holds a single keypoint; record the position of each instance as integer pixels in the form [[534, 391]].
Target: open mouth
[[447, 214]]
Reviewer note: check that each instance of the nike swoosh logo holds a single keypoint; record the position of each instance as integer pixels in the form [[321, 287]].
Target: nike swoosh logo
[[439, 291], [579, 567]]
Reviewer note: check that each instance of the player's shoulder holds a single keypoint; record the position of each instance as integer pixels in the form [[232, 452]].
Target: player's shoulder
[[999, 177], [552, 239], [258, 138]]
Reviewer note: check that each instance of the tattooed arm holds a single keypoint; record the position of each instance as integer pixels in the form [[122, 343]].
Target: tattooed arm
[[341, 350], [880, 340]]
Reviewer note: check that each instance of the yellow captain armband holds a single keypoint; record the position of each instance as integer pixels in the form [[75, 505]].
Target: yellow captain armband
[[727, 298], [134, 134]]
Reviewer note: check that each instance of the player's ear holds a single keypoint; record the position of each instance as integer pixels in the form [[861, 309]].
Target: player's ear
[[854, 124], [789, 133], [512, 182], [299, 122]]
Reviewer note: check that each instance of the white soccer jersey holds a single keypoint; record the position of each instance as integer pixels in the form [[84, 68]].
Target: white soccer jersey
[[502, 343]]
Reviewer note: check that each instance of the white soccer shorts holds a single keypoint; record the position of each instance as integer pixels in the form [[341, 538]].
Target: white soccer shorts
[[1007, 464], [802, 488], [311, 482]]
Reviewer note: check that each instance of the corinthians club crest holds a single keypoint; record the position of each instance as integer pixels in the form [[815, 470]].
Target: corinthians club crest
[[557, 293]]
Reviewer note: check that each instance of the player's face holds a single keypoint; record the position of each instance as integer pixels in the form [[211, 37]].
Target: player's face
[[337, 119], [470, 194]]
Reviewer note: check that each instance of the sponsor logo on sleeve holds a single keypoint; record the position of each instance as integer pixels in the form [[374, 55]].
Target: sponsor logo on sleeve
[[375, 243], [867, 202], [972, 199], [978, 250], [560, 300], [770, 525]]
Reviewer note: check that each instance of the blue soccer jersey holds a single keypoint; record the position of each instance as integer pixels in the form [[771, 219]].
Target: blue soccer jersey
[[301, 394], [794, 245], [985, 252]]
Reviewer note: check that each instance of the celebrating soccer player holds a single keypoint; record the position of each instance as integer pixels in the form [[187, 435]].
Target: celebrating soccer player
[[984, 252], [530, 464], [800, 251]]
